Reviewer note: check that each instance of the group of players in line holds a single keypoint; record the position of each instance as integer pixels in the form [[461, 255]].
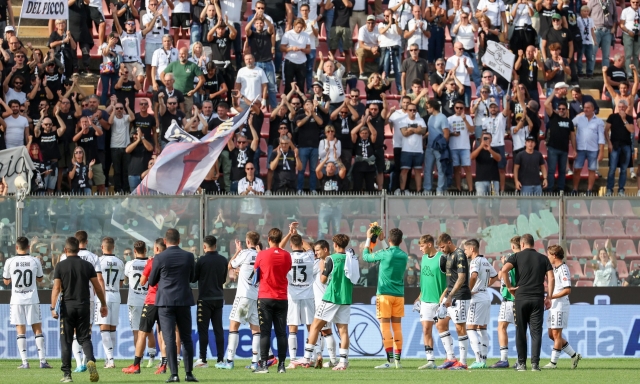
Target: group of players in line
[[453, 286]]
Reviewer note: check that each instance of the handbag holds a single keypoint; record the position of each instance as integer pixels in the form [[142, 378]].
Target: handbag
[[111, 66]]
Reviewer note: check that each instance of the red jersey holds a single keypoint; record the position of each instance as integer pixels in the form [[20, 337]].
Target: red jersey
[[274, 264], [151, 293]]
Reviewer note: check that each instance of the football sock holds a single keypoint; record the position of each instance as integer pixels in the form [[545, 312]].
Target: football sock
[[232, 344], [387, 339], [114, 339], [40, 345], [293, 345], [344, 356], [484, 344], [308, 351], [504, 353], [474, 343], [429, 351], [568, 350], [22, 347], [397, 340], [77, 351], [331, 347], [107, 345], [318, 346], [463, 344], [137, 360], [163, 361], [447, 343], [255, 347], [555, 354], [152, 353]]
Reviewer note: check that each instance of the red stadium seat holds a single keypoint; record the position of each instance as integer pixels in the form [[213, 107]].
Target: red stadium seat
[[409, 228], [600, 208], [577, 208], [441, 208], [464, 208], [306, 208], [584, 283], [509, 208], [571, 230], [455, 227], [509, 169], [633, 265], [613, 229], [357, 231], [311, 229], [472, 227], [263, 167], [508, 149], [431, 227], [589, 273], [575, 269], [543, 148], [633, 228], [397, 209], [622, 209], [591, 229], [539, 246], [579, 248], [418, 208]]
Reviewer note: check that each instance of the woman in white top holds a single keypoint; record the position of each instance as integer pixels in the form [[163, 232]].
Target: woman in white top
[[295, 45], [330, 74], [330, 145], [465, 32], [604, 265], [587, 32], [480, 110], [111, 55], [312, 30], [201, 59], [523, 33], [519, 132]]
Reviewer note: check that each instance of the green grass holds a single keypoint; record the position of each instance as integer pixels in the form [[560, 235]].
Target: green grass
[[360, 371]]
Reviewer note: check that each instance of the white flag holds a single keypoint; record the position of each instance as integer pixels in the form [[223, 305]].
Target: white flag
[[500, 59], [14, 162], [45, 9]]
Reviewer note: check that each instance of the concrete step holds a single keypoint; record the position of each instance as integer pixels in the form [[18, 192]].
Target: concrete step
[[36, 31]]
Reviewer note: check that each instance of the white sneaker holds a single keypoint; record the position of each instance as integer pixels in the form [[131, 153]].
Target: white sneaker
[[383, 366], [398, 365], [569, 172], [429, 365], [574, 360], [200, 364], [329, 364], [633, 175], [397, 192], [291, 366], [109, 364], [550, 366], [363, 77], [151, 362]]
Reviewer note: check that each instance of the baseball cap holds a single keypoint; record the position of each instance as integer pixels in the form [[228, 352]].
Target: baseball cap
[[556, 16], [493, 103], [519, 116], [318, 83], [371, 18], [9, 28], [530, 138], [561, 84]]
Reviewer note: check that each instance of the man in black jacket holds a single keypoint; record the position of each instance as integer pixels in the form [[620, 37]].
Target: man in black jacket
[[211, 273], [172, 271]]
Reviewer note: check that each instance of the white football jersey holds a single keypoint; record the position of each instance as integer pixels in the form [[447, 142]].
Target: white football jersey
[[301, 275], [485, 271], [23, 271], [137, 292], [94, 260], [318, 287], [245, 260], [563, 280], [113, 274]]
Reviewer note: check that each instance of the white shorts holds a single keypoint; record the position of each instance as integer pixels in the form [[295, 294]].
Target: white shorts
[[336, 313], [458, 312], [428, 311], [135, 313], [25, 314], [112, 316], [300, 312], [558, 318], [479, 312], [329, 325], [506, 312], [244, 311]]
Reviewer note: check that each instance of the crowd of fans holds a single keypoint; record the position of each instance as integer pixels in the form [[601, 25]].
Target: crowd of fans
[[425, 119]]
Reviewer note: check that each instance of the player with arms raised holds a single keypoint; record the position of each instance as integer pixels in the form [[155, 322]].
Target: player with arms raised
[[23, 271], [137, 292]]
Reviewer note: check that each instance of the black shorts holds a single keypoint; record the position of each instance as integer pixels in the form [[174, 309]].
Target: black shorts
[[96, 16], [380, 165], [181, 20], [148, 318]]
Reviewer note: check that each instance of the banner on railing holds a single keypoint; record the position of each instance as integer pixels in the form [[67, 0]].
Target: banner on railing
[[15, 162], [44, 9]]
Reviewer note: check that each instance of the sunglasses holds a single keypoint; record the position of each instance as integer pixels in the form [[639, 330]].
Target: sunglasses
[[18, 83], [411, 110], [458, 108], [130, 23], [562, 109], [242, 142], [77, 153], [141, 104], [295, 103], [172, 103], [119, 108], [413, 50], [250, 169], [85, 105], [558, 20], [283, 128], [487, 77], [330, 131], [47, 124]]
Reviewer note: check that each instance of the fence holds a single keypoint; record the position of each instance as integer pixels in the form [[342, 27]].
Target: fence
[[581, 224]]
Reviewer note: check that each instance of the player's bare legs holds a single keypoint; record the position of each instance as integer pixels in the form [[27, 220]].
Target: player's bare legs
[[561, 345]]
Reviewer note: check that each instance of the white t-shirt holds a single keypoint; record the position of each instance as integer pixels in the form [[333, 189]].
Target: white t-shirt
[[300, 275], [232, 8], [497, 127], [586, 26], [403, 12], [331, 147], [456, 124], [251, 205], [395, 119], [482, 112], [120, 132], [466, 36], [519, 137], [117, 49], [23, 270], [251, 81], [313, 7], [94, 260], [162, 4], [113, 274], [461, 71], [155, 36], [184, 6], [413, 142], [485, 271], [494, 12], [13, 95], [456, 19], [311, 23], [605, 275], [162, 58], [522, 15], [300, 40], [629, 16], [131, 46], [332, 85], [245, 261], [418, 37], [318, 288], [391, 38], [137, 292], [14, 133], [358, 5], [369, 38], [96, 4], [562, 278]]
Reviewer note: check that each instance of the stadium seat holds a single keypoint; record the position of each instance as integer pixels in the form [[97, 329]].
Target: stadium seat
[[633, 265], [409, 228], [543, 148], [575, 270], [455, 227], [600, 208], [414, 248], [397, 208], [579, 248], [591, 229], [418, 208], [509, 208], [441, 208], [357, 231], [622, 209], [263, 167], [508, 149], [306, 208], [472, 227], [538, 245], [463, 208], [311, 229], [589, 273], [584, 283], [571, 230], [431, 227], [597, 244], [613, 229], [577, 209]]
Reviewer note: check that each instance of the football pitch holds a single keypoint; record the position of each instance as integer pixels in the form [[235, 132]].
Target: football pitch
[[360, 371]]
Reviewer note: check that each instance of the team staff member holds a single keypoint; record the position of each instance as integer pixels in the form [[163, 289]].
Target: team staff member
[[390, 293], [505, 316], [531, 269], [172, 271], [211, 273], [272, 266], [71, 278]]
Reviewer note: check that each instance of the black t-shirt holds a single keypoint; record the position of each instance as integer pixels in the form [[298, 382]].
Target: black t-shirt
[[435, 78], [529, 171], [285, 174], [531, 269], [127, 14], [616, 74], [528, 74], [457, 263], [37, 181], [62, 49], [447, 101], [343, 131], [534, 129], [545, 18], [89, 143], [146, 124], [139, 160], [213, 123], [276, 9], [81, 178], [373, 94], [211, 273], [260, 44], [177, 94], [378, 123], [342, 14], [559, 132], [34, 103], [486, 167], [212, 84], [165, 121], [330, 184], [127, 92], [238, 161], [3, 10], [274, 134], [572, 22], [48, 143], [257, 120], [619, 134], [75, 275], [70, 122], [561, 36], [3, 144], [196, 10], [221, 47], [54, 83], [364, 149], [308, 135]]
